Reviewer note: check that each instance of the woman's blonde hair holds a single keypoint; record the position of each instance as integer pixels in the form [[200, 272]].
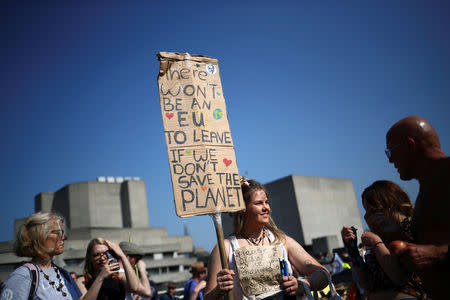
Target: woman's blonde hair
[[248, 187], [31, 237], [89, 270]]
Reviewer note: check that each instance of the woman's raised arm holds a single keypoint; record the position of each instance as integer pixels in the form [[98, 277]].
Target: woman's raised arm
[[306, 265]]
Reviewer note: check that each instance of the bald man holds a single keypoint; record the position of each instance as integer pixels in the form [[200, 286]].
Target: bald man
[[413, 146]]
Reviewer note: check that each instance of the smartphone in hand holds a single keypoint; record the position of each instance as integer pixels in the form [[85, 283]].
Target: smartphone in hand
[[109, 256]]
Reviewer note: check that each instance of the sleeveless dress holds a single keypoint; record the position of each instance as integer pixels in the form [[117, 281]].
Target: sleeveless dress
[[237, 290]]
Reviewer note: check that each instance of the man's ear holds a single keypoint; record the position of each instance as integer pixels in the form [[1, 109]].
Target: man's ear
[[412, 144]]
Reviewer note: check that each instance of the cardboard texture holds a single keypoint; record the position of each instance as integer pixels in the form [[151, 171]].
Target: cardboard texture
[[258, 268], [202, 161]]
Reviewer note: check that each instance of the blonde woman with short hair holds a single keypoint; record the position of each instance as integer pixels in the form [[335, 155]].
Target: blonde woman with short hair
[[41, 237]]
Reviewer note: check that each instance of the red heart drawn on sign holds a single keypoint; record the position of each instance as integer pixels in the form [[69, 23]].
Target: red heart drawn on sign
[[204, 188], [227, 162], [169, 115]]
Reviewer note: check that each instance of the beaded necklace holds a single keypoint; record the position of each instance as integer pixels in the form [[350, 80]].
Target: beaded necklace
[[257, 241], [58, 287]]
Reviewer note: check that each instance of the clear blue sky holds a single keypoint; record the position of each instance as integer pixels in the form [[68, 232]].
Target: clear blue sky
[[311, 88]]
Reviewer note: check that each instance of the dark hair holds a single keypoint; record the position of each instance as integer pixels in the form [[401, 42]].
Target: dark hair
[[248, 187], [389, 198]]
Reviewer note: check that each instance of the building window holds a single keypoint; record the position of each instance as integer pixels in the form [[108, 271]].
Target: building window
[[168, 254], [174, 269], [153, 271], [157, 256]]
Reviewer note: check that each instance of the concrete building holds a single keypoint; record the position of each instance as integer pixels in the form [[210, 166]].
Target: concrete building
[[312, 210], [113, 208]]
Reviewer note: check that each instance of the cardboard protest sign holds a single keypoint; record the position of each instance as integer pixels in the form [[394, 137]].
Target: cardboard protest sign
[[202, 161], [258, 268]]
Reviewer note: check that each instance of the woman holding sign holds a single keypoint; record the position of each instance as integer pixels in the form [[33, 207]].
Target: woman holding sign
[[256, 253]]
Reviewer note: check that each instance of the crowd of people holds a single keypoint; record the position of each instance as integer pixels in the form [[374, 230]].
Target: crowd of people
[[403, 255], [111, 271]]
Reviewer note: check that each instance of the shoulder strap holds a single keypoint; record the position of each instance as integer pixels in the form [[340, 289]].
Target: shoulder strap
[[270, 235], [34, 278], [233, 243], [333, 294], [333, 291], [307, 290]]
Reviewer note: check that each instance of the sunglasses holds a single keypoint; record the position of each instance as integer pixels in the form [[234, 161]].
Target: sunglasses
[[388, 151]]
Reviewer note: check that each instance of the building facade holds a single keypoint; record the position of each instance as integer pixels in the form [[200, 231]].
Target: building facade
[[312, 210]]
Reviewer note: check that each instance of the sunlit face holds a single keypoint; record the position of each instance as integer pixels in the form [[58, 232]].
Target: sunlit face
[[258, 208], [55, 239], [98, 256]]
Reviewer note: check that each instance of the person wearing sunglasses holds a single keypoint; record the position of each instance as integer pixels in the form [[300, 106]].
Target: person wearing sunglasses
[[170, 294], [41, 237], [104, 279], [413, 147]]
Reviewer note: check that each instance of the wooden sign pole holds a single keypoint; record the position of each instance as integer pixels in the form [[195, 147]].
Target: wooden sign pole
[[217, 219]]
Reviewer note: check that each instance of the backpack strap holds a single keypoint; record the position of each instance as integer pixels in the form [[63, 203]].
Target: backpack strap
[[34, 274]]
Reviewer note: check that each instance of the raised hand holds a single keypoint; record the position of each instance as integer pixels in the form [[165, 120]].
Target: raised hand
[[347, 234]]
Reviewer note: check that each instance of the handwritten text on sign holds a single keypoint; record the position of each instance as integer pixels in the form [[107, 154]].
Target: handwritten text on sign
[[202, 161], [258, 268]]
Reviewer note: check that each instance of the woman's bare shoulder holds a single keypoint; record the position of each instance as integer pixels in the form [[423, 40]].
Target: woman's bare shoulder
[[291, 243]]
